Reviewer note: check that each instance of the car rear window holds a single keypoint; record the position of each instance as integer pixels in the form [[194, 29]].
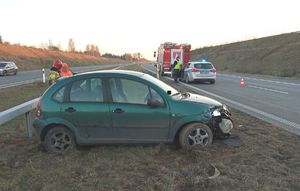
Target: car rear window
[[203, 66]]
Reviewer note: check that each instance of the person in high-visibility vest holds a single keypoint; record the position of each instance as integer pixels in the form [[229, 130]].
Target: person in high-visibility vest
[[176, 69], [54, 71]]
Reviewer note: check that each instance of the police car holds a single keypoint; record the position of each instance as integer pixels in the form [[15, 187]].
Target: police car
[[200, 71]]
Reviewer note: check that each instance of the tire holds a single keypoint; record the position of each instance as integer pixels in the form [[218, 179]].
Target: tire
[[212, 81], [195, 135], [16, 72], [59, 140], [4, 73]]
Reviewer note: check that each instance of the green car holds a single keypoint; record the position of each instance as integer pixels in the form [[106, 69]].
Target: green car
[[119, 106]]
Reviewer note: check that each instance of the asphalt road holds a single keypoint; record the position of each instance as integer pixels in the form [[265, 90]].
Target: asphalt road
[[274, 100], [25, 77]]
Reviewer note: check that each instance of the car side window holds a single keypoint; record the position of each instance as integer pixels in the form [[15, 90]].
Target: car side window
[[128, 91], [59, 95], [87, 90]]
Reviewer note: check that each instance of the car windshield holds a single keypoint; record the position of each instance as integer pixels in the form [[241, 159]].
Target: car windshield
[[161, 84], [203, 66], [2, 65]]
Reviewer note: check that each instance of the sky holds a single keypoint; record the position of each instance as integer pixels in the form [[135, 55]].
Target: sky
[[131, 26]]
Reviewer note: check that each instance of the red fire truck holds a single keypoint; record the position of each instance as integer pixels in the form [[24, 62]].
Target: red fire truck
[[167, 53]]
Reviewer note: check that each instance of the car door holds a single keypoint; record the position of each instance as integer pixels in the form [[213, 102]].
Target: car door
[[132, 118], [86, 109]]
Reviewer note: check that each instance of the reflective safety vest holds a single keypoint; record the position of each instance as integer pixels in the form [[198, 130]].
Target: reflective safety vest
[[53, 75], [177, 65]]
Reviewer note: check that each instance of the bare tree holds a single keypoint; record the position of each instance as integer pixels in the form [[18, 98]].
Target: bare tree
[[50, 42], [71, 45], [92, 50]]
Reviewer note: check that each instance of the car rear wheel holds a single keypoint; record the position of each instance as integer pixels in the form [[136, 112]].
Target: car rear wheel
[[195, 135], [59, 140], [212, 81]]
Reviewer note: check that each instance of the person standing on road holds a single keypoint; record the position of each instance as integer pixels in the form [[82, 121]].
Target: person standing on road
[[176, 69], [54, 73]]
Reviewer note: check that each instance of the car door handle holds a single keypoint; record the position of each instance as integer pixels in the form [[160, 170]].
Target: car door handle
[[118, 110], [70, 110]]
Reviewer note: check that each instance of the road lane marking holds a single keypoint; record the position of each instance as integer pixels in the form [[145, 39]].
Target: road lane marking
[[238, 105], [267, 89], [259, 79]]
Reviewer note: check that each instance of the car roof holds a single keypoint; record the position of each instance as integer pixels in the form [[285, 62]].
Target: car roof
[[126, 72], [201, 62], [6, 62]]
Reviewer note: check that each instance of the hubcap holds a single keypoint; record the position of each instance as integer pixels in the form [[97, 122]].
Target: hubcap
[[198, 136], [60, 142]]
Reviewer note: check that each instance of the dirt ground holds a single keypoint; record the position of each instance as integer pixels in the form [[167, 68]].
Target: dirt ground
[[268, 159]]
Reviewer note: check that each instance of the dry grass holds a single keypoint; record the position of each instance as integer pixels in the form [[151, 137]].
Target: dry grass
[[28, 58], [267, 160], [16, 95]]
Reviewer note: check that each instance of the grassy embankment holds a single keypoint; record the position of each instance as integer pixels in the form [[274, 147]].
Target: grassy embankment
[[275, 55], [28, 58], [267, 160]]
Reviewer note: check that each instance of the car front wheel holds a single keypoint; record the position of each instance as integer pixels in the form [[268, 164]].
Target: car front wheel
[[59, 140], [195, 135]]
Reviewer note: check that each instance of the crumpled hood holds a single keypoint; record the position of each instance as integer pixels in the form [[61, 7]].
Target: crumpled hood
[[201, 99]]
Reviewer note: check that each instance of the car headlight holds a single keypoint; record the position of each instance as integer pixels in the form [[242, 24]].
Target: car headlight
[[216, 113], [225, 107]]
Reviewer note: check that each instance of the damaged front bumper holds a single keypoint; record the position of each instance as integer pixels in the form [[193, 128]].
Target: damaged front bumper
[[221, 122]]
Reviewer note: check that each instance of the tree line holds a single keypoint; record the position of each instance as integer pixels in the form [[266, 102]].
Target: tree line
[[90, 49]]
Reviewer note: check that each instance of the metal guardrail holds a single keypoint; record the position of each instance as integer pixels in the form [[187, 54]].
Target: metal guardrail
[[14, 112]]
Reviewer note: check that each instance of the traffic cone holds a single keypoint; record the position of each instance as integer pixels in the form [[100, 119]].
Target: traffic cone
[[242, 82]]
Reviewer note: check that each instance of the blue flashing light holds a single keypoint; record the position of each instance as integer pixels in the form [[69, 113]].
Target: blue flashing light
[[203, 60]]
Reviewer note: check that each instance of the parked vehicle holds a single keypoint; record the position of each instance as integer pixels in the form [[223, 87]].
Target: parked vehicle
[[7, 68], [116, 106], [200, 71], [167, 53]]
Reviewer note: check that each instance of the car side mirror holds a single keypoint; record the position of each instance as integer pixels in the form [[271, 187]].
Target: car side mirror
[[154, 103]]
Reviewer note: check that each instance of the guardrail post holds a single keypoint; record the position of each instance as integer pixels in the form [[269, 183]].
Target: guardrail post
[[28, 124]]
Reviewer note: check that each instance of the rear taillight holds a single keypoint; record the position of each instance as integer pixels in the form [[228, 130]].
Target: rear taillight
[[213, 70], [195, 70], [38, 108]]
